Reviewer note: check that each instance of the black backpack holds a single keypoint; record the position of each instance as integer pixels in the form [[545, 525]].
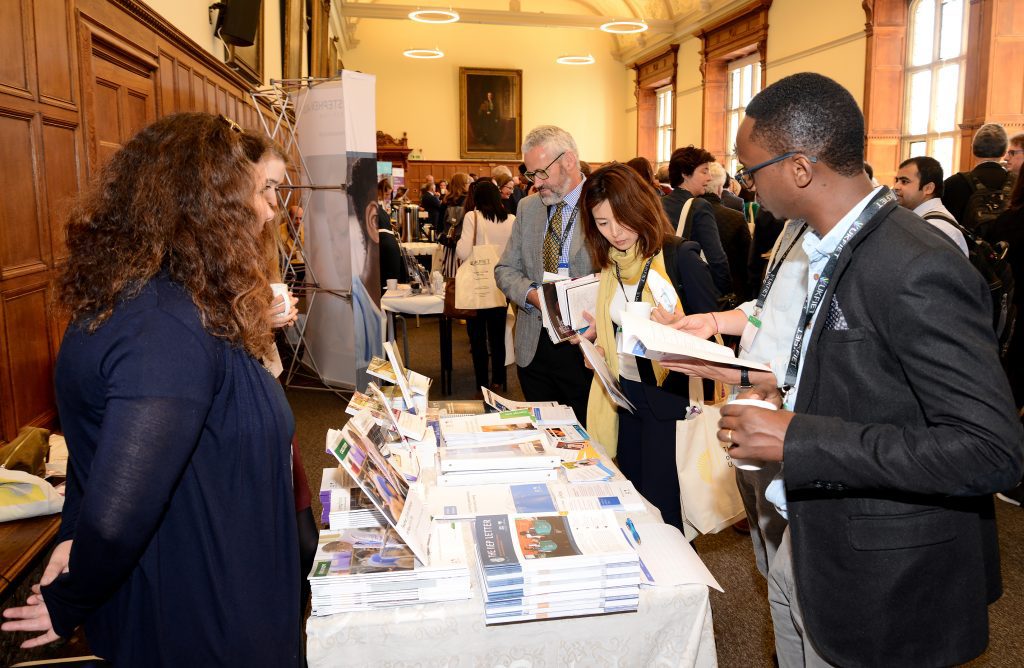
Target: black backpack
[[985, 205], [991, 261]]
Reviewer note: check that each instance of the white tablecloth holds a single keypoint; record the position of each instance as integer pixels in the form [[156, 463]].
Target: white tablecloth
[[404, 302], [672, 628]]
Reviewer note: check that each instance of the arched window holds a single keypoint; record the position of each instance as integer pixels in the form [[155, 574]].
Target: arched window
[[934, 79]]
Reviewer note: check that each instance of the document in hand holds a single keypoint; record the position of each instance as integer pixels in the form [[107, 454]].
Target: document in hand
[[604, 374], [646, 338], [563, 302]]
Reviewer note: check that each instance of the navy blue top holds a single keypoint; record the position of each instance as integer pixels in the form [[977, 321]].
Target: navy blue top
[[179, 495]]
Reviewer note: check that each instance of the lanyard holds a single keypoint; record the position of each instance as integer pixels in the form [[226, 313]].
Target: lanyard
[[640, 284], [565, 232], [773, 273], [884, 197]]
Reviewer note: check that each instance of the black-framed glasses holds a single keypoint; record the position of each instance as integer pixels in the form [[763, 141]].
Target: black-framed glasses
[[542, 173], [746, 175]]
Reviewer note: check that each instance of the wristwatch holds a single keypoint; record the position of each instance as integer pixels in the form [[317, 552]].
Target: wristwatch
[[745, 378]]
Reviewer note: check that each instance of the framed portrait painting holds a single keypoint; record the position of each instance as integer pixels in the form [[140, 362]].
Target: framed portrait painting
[[490, 113]]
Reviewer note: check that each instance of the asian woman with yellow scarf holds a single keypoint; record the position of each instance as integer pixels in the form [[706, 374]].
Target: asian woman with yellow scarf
[[641, 259]]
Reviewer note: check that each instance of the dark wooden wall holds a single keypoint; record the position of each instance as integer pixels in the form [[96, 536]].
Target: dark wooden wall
[[77, 77]]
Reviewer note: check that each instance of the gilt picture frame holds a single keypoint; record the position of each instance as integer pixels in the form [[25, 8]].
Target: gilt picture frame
[[490, 113]]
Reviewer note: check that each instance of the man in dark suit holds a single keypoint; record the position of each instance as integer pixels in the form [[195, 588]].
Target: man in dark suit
[[546, 239], [897, 424], [989, 146], [431, 203], [732, 228], [688, 174]]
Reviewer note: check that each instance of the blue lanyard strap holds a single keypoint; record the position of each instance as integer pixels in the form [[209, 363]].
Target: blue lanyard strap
[[884, 197]]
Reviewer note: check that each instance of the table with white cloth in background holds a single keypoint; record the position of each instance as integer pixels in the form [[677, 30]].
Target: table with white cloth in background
[[402, 301]]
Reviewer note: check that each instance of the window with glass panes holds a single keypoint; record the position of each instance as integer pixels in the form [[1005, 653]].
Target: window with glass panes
[[664, 136], [744, 82], [935, 80]]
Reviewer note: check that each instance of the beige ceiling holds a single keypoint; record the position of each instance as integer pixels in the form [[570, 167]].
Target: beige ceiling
[[668, 20]]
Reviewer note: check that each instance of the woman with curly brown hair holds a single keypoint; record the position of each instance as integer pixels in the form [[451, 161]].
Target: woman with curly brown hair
[[179, 497]]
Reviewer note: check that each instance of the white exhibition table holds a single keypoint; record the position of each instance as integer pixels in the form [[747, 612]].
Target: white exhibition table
[[672, 628]]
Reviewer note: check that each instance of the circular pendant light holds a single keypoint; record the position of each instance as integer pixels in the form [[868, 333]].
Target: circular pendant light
[[576, 60], [624, 27], [434, 15], [423, 54]]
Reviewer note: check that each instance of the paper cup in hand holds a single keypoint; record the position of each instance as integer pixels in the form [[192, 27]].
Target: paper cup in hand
[[639, 309], [750, 464], [281, 290]]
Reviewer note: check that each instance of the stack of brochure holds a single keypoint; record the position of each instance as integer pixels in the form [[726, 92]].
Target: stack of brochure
[[345, 506], [491, 428], [511, 460], [360, 569], [555, 565]]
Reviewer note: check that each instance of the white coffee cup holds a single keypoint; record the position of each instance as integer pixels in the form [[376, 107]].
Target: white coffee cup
[[639, 309], [280, 289], [392, 284], [750, 464]]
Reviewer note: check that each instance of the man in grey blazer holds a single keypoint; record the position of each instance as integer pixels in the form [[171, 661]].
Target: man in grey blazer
[[897, 423], [546, 238]]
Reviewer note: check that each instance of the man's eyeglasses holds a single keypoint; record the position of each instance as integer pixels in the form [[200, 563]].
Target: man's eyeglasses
[[542, 173], [746, 175], [1014, 151]]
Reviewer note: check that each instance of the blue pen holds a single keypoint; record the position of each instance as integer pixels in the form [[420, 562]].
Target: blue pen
[[580, 331], [632, 530]]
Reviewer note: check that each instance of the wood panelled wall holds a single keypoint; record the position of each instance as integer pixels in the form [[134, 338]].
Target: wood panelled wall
[[444, 169], [77, 78]]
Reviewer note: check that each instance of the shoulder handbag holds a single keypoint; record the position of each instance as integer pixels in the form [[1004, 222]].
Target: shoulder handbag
[[451, 263], [475, 287], [707, 478]]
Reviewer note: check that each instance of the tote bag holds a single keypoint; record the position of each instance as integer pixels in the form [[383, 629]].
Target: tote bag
[[707, 478], [475, 287]]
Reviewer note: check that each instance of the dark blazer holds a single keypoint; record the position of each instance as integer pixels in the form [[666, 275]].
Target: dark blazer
[[697, 294], [904, 429], [430, 203], [956, 190], [735, 235], [704, 232], [734, 202]]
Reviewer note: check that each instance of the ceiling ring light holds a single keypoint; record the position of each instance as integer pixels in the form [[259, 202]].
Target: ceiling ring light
[[423, 54], [625, 27], [434, 15], [576, 60]]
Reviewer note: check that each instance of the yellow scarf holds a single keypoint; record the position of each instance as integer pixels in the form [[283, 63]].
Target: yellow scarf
[[602, 417]]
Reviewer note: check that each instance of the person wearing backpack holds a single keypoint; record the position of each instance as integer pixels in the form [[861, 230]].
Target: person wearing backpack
[[1008, 228], [977, 197], [918, 187]]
